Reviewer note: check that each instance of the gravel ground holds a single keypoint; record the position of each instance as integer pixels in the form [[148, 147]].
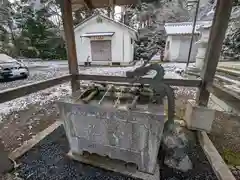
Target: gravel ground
[[201, 168], [225, 135], [48, 160], [22, 125]]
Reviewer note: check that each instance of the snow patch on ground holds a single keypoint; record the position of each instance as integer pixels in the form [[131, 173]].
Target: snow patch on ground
[[108, 71], [41, 97]]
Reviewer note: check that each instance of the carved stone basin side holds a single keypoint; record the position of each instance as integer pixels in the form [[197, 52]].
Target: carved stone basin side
[[132, 136]]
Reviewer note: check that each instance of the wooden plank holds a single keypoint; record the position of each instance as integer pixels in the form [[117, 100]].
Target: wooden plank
[[121, 79], [219, 166], [66, 10], [217, 35], [89, 4], [13, 93]]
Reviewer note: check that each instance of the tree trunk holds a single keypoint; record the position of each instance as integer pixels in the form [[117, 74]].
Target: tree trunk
[[125, 17], [113, 12], [109, 12], [78, 17]]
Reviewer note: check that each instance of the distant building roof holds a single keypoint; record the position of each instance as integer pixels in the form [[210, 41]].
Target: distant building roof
[[84, 22], [183, 28]]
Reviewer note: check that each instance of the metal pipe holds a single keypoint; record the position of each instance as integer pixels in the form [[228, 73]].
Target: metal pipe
[[171, 103], [118, 99], [134, 102], [82, 94], [192, 37]]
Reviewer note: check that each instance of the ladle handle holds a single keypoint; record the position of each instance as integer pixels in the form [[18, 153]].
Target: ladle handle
[[110, 87]]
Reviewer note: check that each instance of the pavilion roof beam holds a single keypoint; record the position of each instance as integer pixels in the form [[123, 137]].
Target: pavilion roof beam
[[217, 35], [66, 10], [79, 4]]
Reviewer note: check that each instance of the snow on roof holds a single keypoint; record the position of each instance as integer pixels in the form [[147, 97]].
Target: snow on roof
[[98, 34], [183, 27], [83, 23]]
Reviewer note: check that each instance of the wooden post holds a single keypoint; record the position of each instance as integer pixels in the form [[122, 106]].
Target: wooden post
[[66, 9], [217, 35]]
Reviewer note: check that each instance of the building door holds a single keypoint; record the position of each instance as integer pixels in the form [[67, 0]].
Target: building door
[[184, 49], [101, 50]]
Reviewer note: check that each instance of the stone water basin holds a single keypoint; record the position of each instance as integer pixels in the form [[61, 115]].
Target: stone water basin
[[112, 129]]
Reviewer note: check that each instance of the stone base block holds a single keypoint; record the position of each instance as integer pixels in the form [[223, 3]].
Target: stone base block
[[198, 117], [114, 165]]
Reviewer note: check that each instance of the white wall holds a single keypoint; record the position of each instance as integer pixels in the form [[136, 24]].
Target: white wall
[[184, 48], [128, 49], [172, 53], [174, 47], [167, 53], [120, 41], [179, 48]]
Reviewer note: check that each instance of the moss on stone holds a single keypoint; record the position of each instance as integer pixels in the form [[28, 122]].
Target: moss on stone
[[231, 158]]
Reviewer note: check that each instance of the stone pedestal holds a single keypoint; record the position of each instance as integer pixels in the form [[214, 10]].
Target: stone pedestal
[[202, 45], [199, 117]]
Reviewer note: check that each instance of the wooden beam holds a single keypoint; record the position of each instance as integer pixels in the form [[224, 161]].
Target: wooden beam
[[66, 9], [112, 6], [13, 93], [6, 164], [217, 35], [121, 79]]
